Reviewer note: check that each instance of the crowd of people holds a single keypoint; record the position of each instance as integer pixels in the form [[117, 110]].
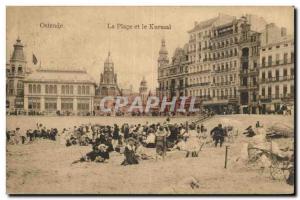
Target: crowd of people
[[132, 140], [19, 136], [127, 139]]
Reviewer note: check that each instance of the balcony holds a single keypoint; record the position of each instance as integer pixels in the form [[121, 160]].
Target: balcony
[[253, 71], [244, 59], [277, 79], [192, 51], [222, 84], [276, 63], [269, 98], [251, 86], [199, 84]]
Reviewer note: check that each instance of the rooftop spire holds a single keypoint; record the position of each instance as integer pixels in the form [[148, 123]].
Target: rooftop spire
[[18, 53]]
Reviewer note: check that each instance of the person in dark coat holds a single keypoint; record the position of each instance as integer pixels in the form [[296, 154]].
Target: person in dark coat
[[218, 134], [249, 132], [126, 131], [129, 153], [98, 154], [115, 136]]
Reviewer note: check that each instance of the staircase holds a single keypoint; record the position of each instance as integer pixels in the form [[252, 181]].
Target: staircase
[[202, 118]]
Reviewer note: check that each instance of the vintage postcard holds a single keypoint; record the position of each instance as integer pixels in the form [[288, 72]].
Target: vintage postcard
[[150, 100]]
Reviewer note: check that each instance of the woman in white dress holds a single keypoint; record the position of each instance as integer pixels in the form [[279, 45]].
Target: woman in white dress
[[192, 144]]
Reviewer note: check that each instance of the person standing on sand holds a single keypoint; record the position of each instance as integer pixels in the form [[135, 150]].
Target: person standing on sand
[[218, 135], [161, 141], [115, 136]]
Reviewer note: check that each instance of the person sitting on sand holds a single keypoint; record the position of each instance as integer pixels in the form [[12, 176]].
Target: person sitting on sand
[[140, 152], [99, 154], [249, 132], [129, 152]]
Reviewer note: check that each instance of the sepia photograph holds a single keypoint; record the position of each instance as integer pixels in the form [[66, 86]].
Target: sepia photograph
[[150, 100]]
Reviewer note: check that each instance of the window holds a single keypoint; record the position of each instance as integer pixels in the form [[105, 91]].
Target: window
[[263, 76], [285, 72], [83, 90], [285, 90], [263, 61], [34, 89], [71, 89], [67, 104], [277, 91], [34, 103], [277, 59], [263, 91], [67, 89], [63, 89], [38, 88], [51, 89], [20, 69], [30, 88], [79, 88], [269, 61], [269, 74], [50, 104], [254, 64], [83, 106], [47, 89], [269, 91], [285, 58], [55, 89], [277, 75]]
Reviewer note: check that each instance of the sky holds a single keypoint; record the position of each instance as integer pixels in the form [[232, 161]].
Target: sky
[[85, 39]]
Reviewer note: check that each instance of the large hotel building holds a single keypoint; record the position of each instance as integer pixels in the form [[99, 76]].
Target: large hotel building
[[224, 64], [232, 65]]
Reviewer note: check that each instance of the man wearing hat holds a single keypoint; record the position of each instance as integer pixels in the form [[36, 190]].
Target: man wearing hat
[[218, 134]]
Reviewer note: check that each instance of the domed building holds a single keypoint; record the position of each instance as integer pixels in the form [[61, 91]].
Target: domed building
[[143, 90], [15, 73], [108, 85]]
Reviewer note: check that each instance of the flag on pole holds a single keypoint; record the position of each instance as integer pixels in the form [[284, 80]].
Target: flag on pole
[[34, 59]]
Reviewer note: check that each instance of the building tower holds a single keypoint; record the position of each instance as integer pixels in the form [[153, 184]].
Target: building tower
[[163, 54], [15, 74], [143, 90], [108, 79]]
